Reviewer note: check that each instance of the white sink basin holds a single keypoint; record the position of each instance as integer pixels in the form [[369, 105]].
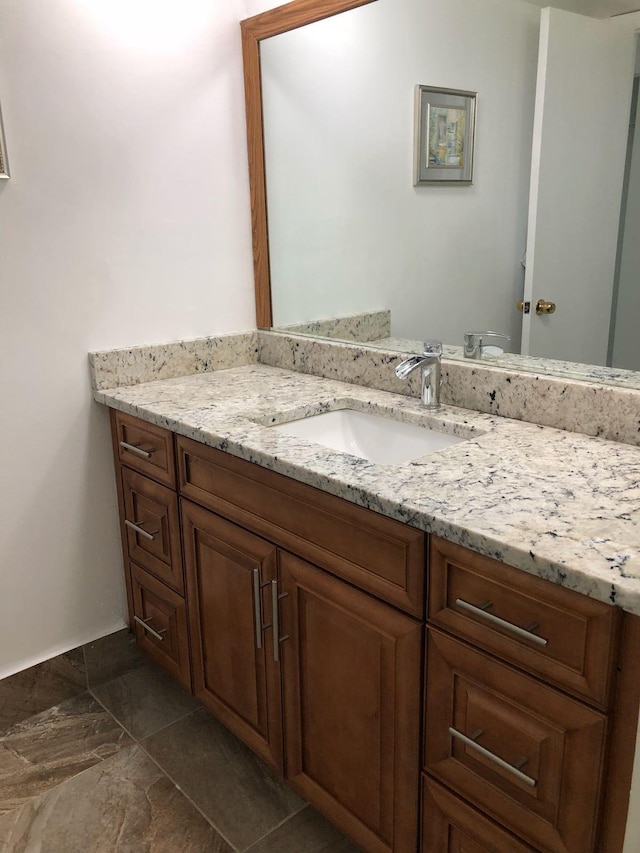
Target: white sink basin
[[380, 440]]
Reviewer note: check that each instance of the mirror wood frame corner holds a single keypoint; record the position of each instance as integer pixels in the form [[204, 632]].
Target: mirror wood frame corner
[[281, 19]]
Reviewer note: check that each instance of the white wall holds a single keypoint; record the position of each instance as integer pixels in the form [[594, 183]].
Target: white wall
[[126, 221], [348, 230]]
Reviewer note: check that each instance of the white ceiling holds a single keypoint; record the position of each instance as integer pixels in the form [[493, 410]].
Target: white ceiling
[[595, 8]]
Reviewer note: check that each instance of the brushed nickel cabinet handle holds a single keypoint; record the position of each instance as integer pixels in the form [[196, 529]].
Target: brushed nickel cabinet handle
[[133, 449], [502, 623], [515, 771], [256, 607], [136, 526], [275, 620], [149, 629]]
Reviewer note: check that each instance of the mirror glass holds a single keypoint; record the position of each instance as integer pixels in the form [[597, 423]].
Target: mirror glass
[[351, 236]]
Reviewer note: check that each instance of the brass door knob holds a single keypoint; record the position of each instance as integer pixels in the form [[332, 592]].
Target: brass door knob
[[523, 307], [544, 307]]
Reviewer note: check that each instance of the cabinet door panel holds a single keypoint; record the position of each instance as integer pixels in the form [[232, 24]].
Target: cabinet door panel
[[577, 636], [165, 639], [352, 683], [449, 825], [155, 545], [557, 742], [234, 673], [146, 447]]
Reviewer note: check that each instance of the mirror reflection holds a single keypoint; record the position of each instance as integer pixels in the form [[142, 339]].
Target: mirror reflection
[[552, 216]]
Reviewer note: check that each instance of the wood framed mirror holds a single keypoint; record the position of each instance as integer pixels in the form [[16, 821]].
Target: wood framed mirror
[[274, 22]]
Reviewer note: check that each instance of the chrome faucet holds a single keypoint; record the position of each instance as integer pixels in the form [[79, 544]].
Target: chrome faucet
[[473, 342], [431, 376]]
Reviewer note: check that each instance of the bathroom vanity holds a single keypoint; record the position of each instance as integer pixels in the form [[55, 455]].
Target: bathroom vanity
[[329, 611]]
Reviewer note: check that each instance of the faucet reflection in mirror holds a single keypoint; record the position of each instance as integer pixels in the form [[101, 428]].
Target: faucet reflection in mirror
[[429, 361]]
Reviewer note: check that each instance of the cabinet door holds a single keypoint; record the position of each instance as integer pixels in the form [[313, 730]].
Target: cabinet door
[[228, 571], [351, 670]]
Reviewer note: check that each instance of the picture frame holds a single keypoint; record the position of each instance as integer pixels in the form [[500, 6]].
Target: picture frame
[[444, 138], [4, 162]]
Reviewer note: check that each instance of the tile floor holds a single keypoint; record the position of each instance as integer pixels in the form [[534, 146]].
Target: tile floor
[[100, 751]]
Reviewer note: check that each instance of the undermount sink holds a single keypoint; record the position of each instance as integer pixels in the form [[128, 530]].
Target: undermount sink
[[369, 436]]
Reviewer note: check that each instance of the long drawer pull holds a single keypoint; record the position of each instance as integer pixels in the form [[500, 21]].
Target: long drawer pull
[[138, 529], [502, 623], [149, 629], [132, 448], [494, 758], [257, 612], [275, 620]]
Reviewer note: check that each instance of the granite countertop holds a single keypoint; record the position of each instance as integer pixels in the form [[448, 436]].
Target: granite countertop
[[560, 505]]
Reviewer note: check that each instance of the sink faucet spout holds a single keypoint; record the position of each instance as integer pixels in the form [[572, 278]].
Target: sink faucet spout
[[429, 360]]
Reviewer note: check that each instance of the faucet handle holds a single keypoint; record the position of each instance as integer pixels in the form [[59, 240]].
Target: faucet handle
[[432, 348], [473, 342]]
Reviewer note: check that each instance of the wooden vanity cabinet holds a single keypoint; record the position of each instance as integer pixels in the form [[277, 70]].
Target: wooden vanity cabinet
[[298, 619], [313, 658], [265, 623]]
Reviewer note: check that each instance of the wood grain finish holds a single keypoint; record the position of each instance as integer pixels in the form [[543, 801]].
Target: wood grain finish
[[236, 680], [377, 554], [622, 744], [271, 23], [154, 509], [165, 612], [352, 700], [581, 633], [449, 825], [158, 442], [554, 739]]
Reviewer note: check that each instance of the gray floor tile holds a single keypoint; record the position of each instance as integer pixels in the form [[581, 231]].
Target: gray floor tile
[[231, 786], [39, 753], [112, 656], [125, 804], [41, 687], [145, 700], [306, 831]]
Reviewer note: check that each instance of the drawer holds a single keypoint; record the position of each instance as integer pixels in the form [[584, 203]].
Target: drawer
[[145, 447], [569, 639], [377, 554], [449, 825], [160, 624], [526, 754], [152, 528]]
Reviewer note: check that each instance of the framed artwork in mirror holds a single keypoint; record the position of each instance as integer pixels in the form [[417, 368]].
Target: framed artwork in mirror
[[4, 163], [445, 121]]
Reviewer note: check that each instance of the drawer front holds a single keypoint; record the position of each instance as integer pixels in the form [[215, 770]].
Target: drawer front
[[152, 528], [160, 624], [377, 554], [568, 639], [526, 754], [449, 825], [145, 447]]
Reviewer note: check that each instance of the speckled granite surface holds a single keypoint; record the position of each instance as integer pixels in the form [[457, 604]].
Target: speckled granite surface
[[587, 407], [354, 327], [556, 504], [132, 365]]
